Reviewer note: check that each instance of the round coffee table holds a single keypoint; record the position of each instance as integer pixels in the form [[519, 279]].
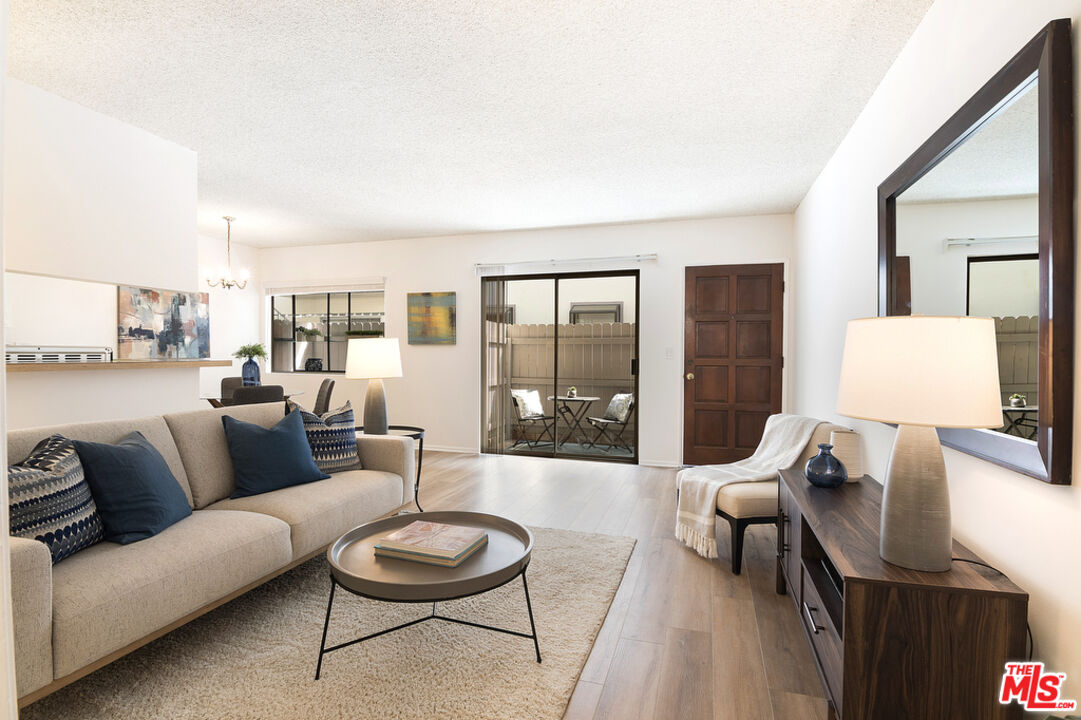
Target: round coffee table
[[354, 567]]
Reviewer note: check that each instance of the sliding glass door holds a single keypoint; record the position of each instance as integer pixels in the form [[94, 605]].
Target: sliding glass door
[[560, 365]]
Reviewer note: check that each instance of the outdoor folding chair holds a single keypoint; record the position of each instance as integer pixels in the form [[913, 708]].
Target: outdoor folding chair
[[528, 420], [611, 426]]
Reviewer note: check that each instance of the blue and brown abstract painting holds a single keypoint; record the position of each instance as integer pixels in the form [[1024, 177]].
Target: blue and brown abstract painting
[[162, 324], [432, 318]]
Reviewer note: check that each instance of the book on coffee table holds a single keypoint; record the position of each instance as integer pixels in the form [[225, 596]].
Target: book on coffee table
[[432, 543]]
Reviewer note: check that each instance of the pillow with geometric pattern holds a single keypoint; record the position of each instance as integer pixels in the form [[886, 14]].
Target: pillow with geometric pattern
[[620, 407], [332, 437], [49, 499]]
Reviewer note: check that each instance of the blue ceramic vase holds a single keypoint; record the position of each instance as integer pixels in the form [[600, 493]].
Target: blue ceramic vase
[[825, 470], [249, 372]]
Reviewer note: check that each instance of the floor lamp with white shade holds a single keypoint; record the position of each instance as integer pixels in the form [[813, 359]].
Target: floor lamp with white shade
[[374, 359], [921, 373]]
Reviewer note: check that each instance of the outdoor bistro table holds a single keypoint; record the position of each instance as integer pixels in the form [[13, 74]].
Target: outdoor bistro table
[[1022, 420], [573, 410]]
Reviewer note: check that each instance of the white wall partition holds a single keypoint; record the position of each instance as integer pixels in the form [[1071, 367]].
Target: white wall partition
[[124, 213], [8, 703], [1029, 529]]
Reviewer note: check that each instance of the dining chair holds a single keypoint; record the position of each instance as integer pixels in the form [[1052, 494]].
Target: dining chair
[[252, 394], [322, 399], [228, 387]]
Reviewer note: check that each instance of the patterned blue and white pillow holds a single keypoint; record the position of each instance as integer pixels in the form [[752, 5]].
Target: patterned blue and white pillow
[[332, 437], [49, 499]]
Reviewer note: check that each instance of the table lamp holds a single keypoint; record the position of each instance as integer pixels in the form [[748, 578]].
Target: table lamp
[[921, 373], [374, 359]]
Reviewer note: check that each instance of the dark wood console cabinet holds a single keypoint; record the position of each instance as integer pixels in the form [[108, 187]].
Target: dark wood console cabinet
[[891, 642]]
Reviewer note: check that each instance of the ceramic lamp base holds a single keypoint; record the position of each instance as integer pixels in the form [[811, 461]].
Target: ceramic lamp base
[[375, 409], [916, 531]]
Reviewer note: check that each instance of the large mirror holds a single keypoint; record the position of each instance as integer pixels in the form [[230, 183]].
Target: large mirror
[[979, 222]]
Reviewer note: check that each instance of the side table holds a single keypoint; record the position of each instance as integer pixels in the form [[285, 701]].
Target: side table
[[417, 433]]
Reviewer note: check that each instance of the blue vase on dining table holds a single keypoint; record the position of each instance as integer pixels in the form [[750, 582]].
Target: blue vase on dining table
[[249, 372]]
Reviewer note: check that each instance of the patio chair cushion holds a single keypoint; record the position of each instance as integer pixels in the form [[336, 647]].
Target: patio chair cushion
[[529, 403], [619, 409]]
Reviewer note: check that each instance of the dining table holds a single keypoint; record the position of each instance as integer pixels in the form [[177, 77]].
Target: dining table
[[216, 398]]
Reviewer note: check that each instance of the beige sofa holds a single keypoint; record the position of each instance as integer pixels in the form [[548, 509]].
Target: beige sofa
[[109, 599]]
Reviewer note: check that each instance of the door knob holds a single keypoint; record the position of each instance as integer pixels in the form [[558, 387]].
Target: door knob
[[690, 376]]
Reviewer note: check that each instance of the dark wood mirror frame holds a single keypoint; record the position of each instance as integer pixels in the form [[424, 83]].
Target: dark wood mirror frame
[[1049, 58]]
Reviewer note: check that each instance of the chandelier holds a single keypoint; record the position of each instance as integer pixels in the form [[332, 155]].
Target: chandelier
[[226, 281]]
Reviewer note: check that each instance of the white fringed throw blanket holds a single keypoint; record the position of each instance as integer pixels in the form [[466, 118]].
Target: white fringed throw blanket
[[783, 440]]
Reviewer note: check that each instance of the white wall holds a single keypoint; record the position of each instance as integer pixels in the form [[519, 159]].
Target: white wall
[[50, 311], [8, 704], [91, 198], [234, 314], [441, 385], [939, 274], [1029, 529]]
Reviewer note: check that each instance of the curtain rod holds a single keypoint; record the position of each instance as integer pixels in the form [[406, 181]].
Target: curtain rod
[[640, 257], [965, 242]]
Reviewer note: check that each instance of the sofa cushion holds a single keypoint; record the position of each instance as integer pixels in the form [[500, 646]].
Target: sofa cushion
[[266, 459], [49, 499], [154, 429], [110, 595], [136, 494], [200, 439], [332, 437], [319, 513]]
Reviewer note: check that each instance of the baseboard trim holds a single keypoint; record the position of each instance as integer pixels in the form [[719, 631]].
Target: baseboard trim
[[450, 449], [660, 463]]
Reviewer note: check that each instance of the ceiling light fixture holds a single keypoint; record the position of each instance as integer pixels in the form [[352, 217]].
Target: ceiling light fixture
[[226, 281]]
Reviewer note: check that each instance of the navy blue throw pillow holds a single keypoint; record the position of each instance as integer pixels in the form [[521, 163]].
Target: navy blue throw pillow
[[135, 491], [270, 459]]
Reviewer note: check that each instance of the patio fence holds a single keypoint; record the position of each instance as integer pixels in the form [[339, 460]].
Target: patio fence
[[593, 357]]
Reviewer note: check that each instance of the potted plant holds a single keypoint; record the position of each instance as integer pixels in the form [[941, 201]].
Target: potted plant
[[1018, 400], [309, 334], [572, 391], [250, 370]]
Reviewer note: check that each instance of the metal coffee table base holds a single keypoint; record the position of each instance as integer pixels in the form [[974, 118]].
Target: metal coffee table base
[[334, 584]]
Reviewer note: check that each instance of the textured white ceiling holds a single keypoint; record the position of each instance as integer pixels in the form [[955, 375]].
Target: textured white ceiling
[[1001, 159], [343, 120]]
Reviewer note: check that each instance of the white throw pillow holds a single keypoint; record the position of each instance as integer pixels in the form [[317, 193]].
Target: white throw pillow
[[620, 407], [529, 403]]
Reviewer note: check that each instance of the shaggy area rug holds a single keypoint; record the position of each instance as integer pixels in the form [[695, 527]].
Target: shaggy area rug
[[255, 656]]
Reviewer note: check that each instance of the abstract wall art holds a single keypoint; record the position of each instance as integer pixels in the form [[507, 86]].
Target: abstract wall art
[[432, 318], [162, 324]]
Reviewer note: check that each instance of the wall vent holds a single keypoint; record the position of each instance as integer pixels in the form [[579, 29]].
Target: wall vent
[[39, 354]]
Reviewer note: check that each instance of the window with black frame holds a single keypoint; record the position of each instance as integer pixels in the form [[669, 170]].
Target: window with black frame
[[310, 332]]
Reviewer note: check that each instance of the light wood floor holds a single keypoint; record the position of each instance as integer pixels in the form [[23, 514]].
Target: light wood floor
[[685, 638]]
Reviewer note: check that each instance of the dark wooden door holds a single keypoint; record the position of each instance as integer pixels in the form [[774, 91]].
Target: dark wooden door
[[732, 347]]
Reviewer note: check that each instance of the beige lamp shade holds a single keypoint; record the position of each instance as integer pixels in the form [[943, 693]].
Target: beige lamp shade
[[921, 370], [373, 358]]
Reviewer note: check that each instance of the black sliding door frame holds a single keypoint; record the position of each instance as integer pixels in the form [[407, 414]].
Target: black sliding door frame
[[556, 277]]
